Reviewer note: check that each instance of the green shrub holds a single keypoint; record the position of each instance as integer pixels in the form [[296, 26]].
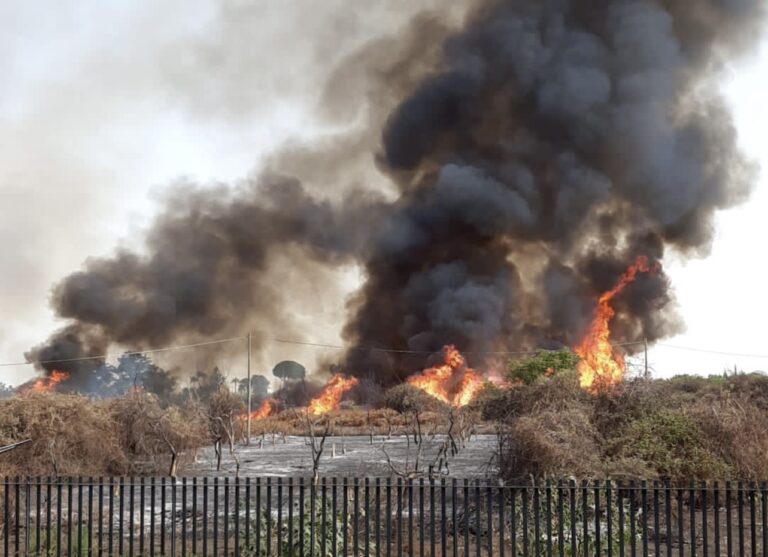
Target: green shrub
[[669, 442], [544, 363]]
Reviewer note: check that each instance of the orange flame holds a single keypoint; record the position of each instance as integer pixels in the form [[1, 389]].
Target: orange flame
[[452, 381], [48, 384], [329, 398], [266, 409], [600, 368]]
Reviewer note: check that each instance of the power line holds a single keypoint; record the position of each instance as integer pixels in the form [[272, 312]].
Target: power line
[[282, 341], [708, 351], [118, 354]]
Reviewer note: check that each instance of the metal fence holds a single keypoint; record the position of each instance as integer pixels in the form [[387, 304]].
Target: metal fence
[[380, 517]]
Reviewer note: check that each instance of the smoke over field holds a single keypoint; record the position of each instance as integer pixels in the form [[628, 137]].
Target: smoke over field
[[525, 157]]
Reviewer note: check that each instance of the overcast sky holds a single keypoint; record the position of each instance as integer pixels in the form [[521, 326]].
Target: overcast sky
[[104, 105]]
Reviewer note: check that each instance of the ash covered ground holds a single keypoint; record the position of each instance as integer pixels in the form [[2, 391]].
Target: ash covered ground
[[293, 457]]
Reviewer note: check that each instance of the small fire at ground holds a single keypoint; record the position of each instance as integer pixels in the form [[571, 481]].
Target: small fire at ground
[[602, 367], [266, 409], [452, 381], [48, 384], [329, 398]]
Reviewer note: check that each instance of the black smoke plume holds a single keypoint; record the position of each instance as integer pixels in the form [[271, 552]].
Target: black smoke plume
[[544, 146]]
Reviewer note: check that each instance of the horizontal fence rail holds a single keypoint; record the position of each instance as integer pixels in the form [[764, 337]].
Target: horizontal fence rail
[[380, 517]]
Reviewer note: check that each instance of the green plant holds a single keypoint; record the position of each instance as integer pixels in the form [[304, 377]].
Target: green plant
[[544, 363], [671, 443]]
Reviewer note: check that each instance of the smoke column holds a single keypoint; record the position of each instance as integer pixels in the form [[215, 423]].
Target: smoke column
[[534, 154]]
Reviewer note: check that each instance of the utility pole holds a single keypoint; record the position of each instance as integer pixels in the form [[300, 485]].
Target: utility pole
[[248, 394], [645, 344]]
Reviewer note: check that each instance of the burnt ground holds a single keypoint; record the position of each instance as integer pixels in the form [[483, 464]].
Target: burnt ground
[[354, 456]]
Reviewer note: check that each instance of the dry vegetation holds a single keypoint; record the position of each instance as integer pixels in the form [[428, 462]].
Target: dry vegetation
[[680, 429], [683, 428]]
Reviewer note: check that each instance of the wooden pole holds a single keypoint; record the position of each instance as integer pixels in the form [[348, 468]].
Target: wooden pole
[[248, 391]]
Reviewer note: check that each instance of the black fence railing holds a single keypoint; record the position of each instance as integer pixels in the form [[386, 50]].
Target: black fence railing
[[380, 517]]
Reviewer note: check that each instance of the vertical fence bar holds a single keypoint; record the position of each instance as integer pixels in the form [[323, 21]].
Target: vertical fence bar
[[324, 517], [7, 517], [27, 507], [572, 500], [596, 494], [345, 515], [513, 520], [728, 520], [478, 522], [204, 524], [194, 516], [411, 548], [313, 517], [356, 514], [633, 518], [620, 505], [524, 505], [38, 512], [378, 517], [454, 517], [704, 522], [90, 517], [432, 528], [764, 514], [120, 518], [334, 502], [609, 515], [152, 513], [644, 513], [680, 521], [278, 549], [174, 528], [131, 483], [17, 514], [79, 530], [48, 493], [692, 511], [421, 517], [489, 531], [585, 515], [502, 539], [399, 519], [466, 519], [58, 517], [366, 512], [537, 520], [141, 515], [162, 516], [668, 515], [716, 516], [237, 516], [656, 524], [69, 518], [184, 517], [560, 524], [111, 523], [226, 516], [752, 520], [290, 516], [215, 517], [302, 549], [247, 532], [740, 511], [443, 520], [259, 517]]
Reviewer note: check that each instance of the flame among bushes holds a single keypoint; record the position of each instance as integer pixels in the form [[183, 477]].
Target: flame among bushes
[[329, 398], [452, 381], [266, 409], [601, 367], [48, 384]]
